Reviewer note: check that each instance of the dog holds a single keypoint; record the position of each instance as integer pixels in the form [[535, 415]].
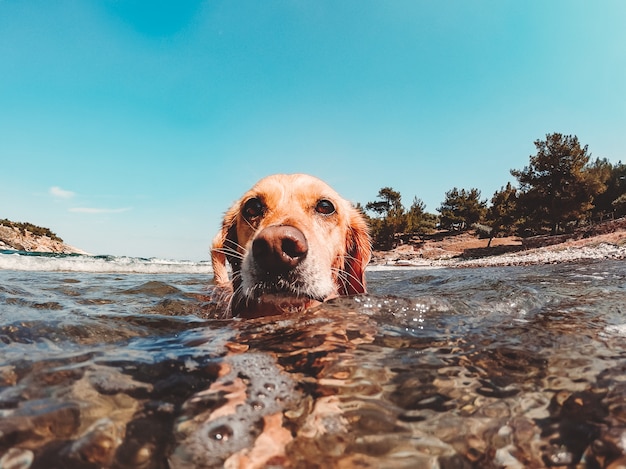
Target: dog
[[292, 242]]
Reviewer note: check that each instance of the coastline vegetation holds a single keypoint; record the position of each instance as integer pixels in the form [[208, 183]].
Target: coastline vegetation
[[560, 190], [34, 229]]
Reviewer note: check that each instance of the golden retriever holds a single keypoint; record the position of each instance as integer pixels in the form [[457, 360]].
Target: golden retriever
[[291, 242]]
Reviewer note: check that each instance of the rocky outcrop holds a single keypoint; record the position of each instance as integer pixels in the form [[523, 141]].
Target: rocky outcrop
[[12, 238]]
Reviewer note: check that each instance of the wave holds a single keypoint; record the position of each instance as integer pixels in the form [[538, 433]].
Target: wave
[[55, 262], [52, 262]]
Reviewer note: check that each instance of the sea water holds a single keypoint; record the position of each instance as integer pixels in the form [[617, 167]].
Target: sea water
[[52, 262], [118, 362]]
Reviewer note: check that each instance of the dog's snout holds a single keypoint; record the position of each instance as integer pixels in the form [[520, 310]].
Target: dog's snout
[[279, 248]]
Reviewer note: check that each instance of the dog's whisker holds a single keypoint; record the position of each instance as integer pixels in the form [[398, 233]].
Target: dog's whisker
[[237, 297], [289, 267], [344, 277], [230, 252], [341, 278], [230, 247], [249, 224], [351, 258], [234, 245]]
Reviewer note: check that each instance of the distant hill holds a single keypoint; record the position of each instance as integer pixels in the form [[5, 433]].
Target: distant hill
[[32, 238]]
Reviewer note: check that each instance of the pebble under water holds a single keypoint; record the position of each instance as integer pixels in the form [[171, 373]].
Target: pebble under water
[[516, 367]]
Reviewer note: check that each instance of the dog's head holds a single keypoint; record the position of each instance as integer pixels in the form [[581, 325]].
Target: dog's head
[[291, 241]]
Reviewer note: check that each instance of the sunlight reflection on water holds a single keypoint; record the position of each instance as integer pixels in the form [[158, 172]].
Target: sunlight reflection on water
[[494, 367]]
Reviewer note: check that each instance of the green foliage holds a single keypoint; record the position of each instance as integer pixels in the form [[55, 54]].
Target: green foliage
[[559, 189], [461, 209], [613, 180], [418, 221], [619, 206], [34, 229], [392, 220], [554, 189], [502, 215], [388, 205], [383, 231]]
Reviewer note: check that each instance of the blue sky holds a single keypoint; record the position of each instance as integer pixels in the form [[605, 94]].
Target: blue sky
[[129, 127]]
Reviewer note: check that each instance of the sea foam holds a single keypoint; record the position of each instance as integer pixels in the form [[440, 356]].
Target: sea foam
[[45, 262]]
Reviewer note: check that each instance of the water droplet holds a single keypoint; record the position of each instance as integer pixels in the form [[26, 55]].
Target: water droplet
[[221, 433]]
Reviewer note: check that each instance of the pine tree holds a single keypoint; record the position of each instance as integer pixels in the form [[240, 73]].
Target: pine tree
[[418, 221], [554, 190], [502, 214], [461, 209], [613, 182], [391, 218]]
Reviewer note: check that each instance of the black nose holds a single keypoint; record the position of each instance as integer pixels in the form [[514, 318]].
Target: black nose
[[278, 249]]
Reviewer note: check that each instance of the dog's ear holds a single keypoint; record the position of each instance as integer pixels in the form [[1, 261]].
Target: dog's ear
[[224, 247], [358, 254]]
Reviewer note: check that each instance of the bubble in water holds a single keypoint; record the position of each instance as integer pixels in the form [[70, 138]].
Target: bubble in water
[[256, 405], [221, 433], [268, 390]]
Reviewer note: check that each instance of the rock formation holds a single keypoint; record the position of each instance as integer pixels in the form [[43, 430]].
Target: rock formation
[[15, 237]]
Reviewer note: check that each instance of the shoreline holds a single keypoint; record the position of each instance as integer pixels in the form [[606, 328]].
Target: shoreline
[[608, 246], [567, 255], [604, 241]]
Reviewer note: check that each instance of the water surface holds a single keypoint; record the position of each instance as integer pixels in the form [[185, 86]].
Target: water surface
[[435, 368]]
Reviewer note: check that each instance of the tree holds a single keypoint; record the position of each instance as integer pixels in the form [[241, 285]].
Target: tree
[[619, 205], [502, 214], [418, 221], [554, 190], [597, 174], [390, 220], [613, 181], [461, 209], [390, 203], [616, 188], [450, 218]]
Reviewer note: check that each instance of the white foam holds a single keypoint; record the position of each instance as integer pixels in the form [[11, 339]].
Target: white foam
[[406, 266], [99, 264], [618, 329]]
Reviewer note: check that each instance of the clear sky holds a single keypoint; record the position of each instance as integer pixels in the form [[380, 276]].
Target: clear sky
[[128, 127]]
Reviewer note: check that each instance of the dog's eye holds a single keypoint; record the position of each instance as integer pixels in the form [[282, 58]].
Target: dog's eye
[[325, 207], [253, 208]]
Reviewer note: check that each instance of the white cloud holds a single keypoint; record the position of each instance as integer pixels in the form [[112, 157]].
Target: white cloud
[[56, 191], [99, 210]]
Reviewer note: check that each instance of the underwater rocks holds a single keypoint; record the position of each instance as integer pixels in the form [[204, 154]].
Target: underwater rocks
[[238, 420], [515, 368]]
